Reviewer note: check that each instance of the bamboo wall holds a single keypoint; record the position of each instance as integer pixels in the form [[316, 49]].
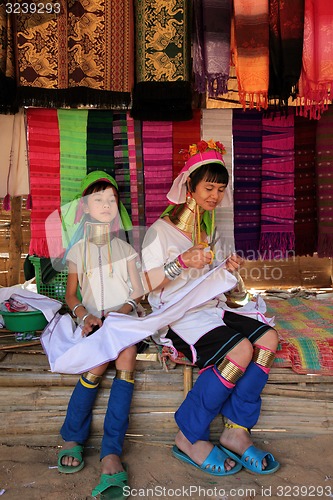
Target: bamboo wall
[[33, 402]]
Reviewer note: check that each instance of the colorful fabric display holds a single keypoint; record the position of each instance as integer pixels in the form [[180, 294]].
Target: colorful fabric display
[[157, 159], [277, 188], [286, 25], [13, 159], [306, 231], [324, 178], [162, 90], [80, 54], [121, 158], [211, 45], [315, 84], [100, 147], [184, 134], [251, 51], [247, 138], [44, 159]]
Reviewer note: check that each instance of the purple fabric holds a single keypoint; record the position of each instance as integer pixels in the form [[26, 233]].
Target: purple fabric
[[211, 45]]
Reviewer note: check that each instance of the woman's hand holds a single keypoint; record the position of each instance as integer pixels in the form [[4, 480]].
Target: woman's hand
[[234, 262], [89, 324], [198, 256]]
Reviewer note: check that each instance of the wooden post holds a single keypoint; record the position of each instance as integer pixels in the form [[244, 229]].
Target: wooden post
[[15, 242], [187, 379]]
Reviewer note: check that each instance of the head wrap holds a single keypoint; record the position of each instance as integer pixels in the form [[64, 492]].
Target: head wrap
[[209, 152], [99, 176]]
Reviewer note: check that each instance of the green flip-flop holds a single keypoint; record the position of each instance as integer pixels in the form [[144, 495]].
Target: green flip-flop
[[75, 452], [111, 486]]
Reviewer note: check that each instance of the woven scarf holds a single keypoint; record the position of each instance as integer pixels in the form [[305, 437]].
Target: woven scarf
[[13, 159], [324, 175], [305, 187], [184, 134], [211, 45], [100, 148], [217, 125], [44, 160], [315, 85], [121, 158], [140, 172], [247, 142], [277, 187], [162, 90], [286, 24], [8, 102], [251, 51], [93, 59], [157, 159]]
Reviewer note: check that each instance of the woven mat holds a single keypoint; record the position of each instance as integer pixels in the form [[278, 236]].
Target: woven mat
[[305, 328]]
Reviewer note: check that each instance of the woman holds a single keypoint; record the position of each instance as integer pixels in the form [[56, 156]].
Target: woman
[[234, 352]]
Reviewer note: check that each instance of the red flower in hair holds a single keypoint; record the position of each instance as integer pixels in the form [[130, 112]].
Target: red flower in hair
[[202, 146]]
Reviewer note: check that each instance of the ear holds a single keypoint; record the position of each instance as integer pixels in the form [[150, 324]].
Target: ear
[[85, 208], [189, 185]]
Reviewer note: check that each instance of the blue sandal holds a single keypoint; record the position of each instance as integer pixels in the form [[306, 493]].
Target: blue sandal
[[214, 463], [252, 457]]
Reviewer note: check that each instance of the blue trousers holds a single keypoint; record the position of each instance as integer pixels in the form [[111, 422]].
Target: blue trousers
[[201, 405], [117, 417], [243, 406], [79, 413]]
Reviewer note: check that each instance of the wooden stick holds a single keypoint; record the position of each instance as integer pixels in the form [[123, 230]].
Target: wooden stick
[[15, 242]]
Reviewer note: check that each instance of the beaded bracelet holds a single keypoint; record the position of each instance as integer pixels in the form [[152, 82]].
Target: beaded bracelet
[[75, 307]]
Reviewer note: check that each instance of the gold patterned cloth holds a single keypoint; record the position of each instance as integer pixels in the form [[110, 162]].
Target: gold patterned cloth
[[162, 90], [7, 73], [82, 55]]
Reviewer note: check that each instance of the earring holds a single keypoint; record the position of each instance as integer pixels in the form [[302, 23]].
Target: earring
[[188, 197]]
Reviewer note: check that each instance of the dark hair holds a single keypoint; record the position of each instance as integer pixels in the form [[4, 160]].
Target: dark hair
[[97, 186], [211, 172]]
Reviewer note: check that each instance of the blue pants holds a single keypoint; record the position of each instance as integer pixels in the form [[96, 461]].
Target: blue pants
[[243, 406], [79, 413]]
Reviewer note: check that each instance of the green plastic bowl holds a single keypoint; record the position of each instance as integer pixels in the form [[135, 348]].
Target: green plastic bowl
[[25, 321]]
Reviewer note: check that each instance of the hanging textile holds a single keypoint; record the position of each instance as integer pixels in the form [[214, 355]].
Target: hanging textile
[[81, 55], [324, 177], [184, 134], [286, 25], [305, 187], [121, 158], [14, 170], [140, 172], [100, 148], [277, 187], [157, 160], [251, 51], [217, 125], [211, 45], [247, 141], [162, 91], [315, 84], [44, 160], [7, 73]]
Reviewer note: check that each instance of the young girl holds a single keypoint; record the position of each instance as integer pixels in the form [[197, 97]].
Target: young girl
[[105, 270]]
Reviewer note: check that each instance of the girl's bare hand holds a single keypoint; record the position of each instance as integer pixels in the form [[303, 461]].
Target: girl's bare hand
[[198, 256], [89, 324], [234, 262]]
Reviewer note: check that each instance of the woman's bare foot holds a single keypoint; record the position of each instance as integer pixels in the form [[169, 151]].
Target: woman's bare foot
[[111, 464], [198, 451], [238, 441], [68, 460]]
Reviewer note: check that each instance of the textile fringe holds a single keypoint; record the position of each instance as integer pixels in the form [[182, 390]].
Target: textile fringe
[[257, 100], [282, 243], [72, 97], [6, 202], [162, 101], [325, 245]]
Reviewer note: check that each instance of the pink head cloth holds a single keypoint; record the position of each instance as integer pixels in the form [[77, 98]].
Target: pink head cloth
[[178, 190]]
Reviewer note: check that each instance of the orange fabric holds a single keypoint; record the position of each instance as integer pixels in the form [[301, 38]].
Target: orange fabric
[[251, 51], [315, 84]]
